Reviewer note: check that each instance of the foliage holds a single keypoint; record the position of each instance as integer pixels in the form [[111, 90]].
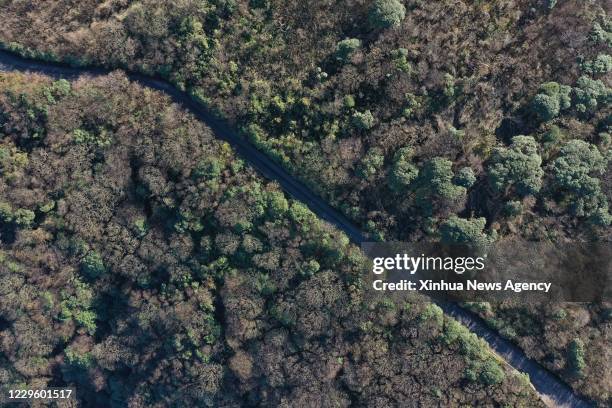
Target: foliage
[[573, 174], [576, 357], [465, 177], [77, 359], [255, 63], [92, 265], [193, 265], [602, 64], [208, 168], [346, 47], [387, 13], [517, 167], [363, 120], [491, 373], [590, 94], [552, 99], [434, 185], [400, 58], [277, 204], [513, 208], [371, 163], [457, 230], [402, 172]]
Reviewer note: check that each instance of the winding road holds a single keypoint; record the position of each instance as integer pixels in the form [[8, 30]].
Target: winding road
[[553, 391]]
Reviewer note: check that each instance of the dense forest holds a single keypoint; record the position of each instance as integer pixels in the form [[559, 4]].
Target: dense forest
[[146, 265], [488, 119]]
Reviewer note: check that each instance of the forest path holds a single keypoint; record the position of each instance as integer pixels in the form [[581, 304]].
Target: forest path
[[552, 390]]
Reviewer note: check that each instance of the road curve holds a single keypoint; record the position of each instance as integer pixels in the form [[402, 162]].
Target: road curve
[[552, 389]]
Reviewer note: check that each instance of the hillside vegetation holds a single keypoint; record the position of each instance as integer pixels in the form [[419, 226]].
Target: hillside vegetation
[[144, 264], [484, 119]]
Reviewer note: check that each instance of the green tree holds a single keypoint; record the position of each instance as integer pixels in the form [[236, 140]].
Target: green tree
[[346, 47], [92, 265], [551, 100], [6, 212], [465, 177], [277, 204], [302, 216], [589, 94], [363, 120], [517, 166], [387, 13], [576, 357], [573, 174], [601, 65], [546, 106], [463, 231], [491, 373], [208, 168], [400, 59], [513, 208], [310, 268], [348, 101], [24, 217], [371, 163], [402, 172], [434, 185]]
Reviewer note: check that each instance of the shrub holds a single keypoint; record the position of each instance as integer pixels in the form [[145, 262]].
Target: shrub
[[208, 168], [605, 140], [277, 204], [302, 216], [346, 47], [577, 159], [435, 185], [310, 268], [101, 138], [545, 106], [576, 357], [601, 65], [92, 265], [348, 101], [363, 120], [465, 177], [413, 104], [23, 217], [78, 360], [601, 217], [551, 100], [402, 172], [513, 208], [371, 163], [491, 373], [87, 319], [438, 175], [6, 212], [589, 94], [434, 313], [517, 166], [141, 227], [387, 13], [457, 230], [572, 174], [448, 87], [400, 59], [600, 35], [453, 331], [552, 136]]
